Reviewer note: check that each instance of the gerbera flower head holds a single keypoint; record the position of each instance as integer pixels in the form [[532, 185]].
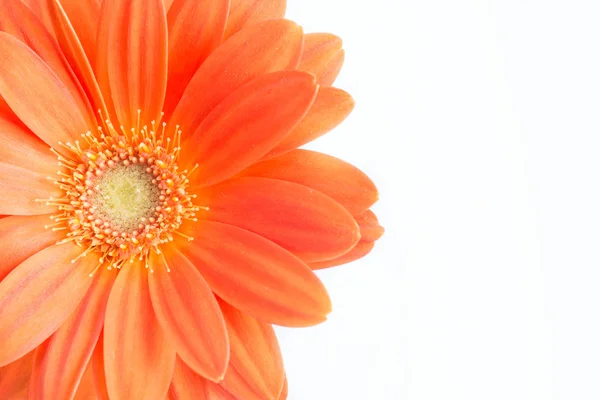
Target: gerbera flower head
[[159, 214]]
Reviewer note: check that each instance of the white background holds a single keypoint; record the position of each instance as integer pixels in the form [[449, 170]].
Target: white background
[[480, 123]]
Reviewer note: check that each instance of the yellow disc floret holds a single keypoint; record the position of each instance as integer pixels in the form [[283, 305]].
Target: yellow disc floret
[[123, 193]]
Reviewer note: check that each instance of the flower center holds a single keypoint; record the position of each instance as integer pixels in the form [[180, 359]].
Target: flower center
[[124, 195]]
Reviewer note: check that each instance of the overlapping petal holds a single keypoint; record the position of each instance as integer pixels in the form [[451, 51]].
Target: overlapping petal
[[20, 187], [247, 12], [330, 108], [14, 377], [83, 16], [302, 220], [195, 29], [21, 237], [187, 385], [61, 360], [138, 358], [249, 123], [53, 282], [323, 56], [189, 314], [256, 368], [257, 276], [132, 58], [44, 104], [338, 179], [19, 21], [80, 52], [20, 146], [370, 231], [270, 46]]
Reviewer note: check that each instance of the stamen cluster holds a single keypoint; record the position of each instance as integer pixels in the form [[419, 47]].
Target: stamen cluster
[[88, 161]]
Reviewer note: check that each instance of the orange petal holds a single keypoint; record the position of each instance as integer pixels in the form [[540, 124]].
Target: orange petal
[[267, 47], [138, 359], [189, 314], [53, 286], [195, 30], [218, 392], [359, 251], [243, 13], [302, 220], [86, 389], [21, 237], [249, 123], [14, 377], [339, 180], [20, 187], [323, 56], [97, 365], [132, 58], [41, 8], [370, 230], [257, 276], [186, 384], [19, 21], [83, 16], [73, 46], [256, 368], [44, 104], [21, 147], [59, 368], [330, 108], [168, 4], [284, 390]]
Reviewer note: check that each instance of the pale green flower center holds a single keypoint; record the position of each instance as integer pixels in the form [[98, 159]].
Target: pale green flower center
[[126, 196]]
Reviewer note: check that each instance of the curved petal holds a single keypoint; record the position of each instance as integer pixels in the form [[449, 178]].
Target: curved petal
[[270, 46], [370, 230], [83, 16], [60, 368], [195, 30], [256, 368], [54, 281], [21, 237], [256, 276], [284, 391], [42, 10], [330, 108], [189, 314], [20, 187], [323, 56], [339, 180], [359, 251], [218, 392], [132, 58], [75, 48], [97, 366], [19, 21], [86, 389], [138, 360], [21, 147], [186, 384], [14, 377], [302, 220], [249, 123], [45, 105], [243, 13]]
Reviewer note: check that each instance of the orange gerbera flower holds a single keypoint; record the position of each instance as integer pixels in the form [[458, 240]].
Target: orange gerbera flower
[[185, 185]]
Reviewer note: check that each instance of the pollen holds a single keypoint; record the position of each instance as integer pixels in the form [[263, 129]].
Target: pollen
[[124, 195]]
